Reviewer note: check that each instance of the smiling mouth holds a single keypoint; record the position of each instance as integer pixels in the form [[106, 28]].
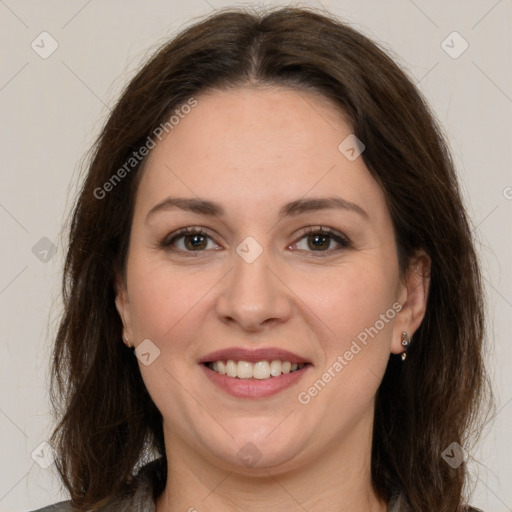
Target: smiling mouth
[[258, 370]]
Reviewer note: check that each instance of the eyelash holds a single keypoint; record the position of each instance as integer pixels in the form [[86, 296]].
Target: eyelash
[[341, 239]]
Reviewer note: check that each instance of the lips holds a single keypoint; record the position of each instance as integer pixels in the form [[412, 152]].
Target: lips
[[292, 368]]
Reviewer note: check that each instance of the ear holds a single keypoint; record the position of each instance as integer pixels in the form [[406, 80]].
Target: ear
[[412, 295], [123, 308]]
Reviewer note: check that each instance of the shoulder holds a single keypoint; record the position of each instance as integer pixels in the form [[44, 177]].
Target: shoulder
[[141, 498], [399, 503], [63, 506]]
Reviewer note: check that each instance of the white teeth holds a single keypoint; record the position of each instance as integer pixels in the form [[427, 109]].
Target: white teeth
[[231, 368], [286, 367], [259, 370], [244, 370], [275, 368]]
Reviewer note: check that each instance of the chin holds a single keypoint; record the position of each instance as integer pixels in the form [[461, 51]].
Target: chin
[[251, 454]]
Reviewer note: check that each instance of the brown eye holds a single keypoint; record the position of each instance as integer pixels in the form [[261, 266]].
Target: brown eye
[[321, 241], [195, 242], [188, 241]]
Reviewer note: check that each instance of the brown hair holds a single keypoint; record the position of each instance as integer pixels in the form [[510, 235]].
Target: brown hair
[[108, 422]]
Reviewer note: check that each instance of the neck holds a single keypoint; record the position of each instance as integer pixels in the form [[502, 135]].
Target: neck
[[338, 480]]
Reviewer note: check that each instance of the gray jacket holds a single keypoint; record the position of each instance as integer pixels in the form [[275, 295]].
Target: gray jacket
[[143, 502]]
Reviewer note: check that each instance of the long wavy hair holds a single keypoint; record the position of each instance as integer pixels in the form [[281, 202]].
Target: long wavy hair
[[107, 422]]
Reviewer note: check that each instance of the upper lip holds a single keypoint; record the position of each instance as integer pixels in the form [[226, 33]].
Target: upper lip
[[252, 355]]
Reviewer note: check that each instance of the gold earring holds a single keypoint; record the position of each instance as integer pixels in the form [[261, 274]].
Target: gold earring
[[405, 343]]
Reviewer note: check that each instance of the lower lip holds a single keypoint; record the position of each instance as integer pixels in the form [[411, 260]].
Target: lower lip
[[255, 388]]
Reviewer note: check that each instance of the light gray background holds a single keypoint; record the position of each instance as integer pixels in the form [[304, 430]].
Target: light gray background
[[53, 108]]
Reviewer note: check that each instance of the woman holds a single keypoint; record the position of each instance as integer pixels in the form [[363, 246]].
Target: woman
[[271, 288]]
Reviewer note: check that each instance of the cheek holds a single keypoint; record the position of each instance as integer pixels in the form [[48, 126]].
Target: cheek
[[355, 341], [163, 301], [168, 308], [351, 299], [358, 309]]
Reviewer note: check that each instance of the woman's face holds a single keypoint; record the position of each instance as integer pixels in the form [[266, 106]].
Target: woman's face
[[296, 252]]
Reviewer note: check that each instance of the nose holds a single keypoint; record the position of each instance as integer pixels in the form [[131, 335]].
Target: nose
[[253, 295]]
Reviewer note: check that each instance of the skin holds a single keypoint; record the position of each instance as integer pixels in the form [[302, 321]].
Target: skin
[[252, 150]]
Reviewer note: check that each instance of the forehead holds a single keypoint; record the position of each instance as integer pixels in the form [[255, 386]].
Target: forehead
[[257, 146]]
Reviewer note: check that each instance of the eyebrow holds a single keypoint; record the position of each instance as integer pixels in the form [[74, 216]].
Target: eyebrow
[[298, 207]]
